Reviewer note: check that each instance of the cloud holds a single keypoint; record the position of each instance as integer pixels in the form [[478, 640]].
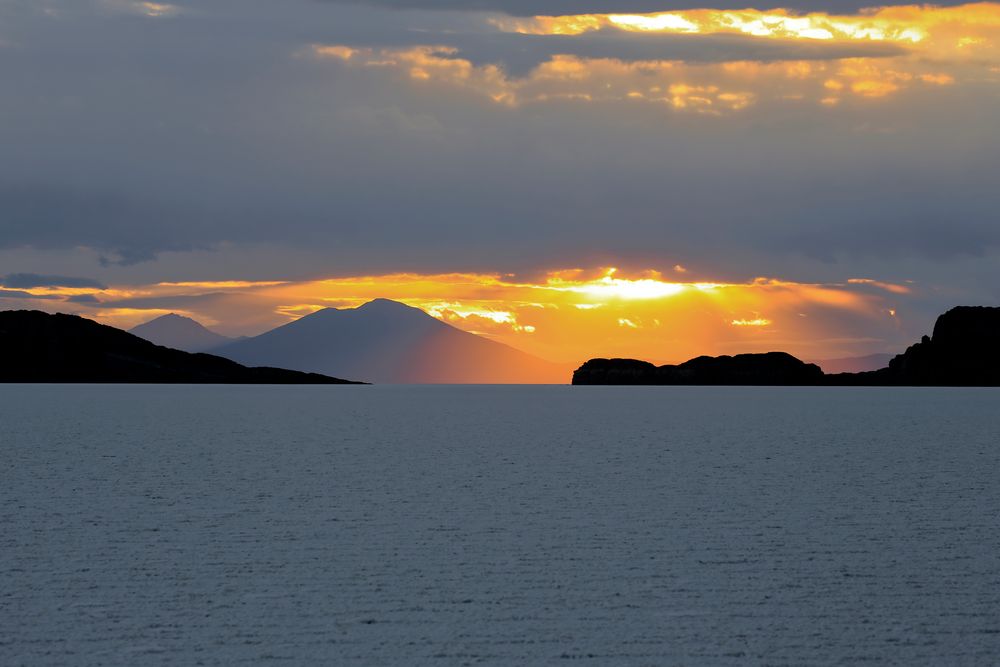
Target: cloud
[[567, 7], [84, 299], [518, 54], [19, 294], [126, 228], [29, 280], [216, 144]]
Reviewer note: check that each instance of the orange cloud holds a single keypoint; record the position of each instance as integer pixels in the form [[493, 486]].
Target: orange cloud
[[942, 47], [964, 25]]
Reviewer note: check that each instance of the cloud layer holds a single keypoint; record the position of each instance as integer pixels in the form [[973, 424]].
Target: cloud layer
[[567, 7], [253, 140]]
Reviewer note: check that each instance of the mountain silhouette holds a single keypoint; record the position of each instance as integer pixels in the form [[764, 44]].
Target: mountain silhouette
[[39, 347], [964, 350], [180, 333], [389, 342]]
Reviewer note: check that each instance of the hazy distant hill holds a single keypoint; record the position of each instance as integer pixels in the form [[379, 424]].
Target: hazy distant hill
[[180, 333], [871, 362], [39, 347], [386, 341]]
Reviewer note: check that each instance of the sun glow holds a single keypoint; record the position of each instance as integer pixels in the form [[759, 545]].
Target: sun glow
[[609, 287], [563, 315]]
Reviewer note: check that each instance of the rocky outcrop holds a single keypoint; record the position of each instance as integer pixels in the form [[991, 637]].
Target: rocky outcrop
[[39, 347], [771, 368], [964, 350]]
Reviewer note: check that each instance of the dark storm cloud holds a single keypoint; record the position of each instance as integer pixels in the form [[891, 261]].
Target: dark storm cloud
[[29, 280], [564, 7]]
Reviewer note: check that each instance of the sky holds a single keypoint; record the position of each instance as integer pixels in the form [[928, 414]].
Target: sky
[[577, 178]]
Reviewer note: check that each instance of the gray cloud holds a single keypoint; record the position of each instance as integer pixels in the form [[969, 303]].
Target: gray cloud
[[565, 7], [86, 299], [18, 294], [29, 280], [181, 302]]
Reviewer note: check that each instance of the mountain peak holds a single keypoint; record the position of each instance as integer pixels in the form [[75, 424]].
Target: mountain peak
[[179, 332], [386, 306], [173, 319]]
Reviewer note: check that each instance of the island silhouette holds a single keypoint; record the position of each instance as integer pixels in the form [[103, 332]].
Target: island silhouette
[[41, 347], [963, 350]]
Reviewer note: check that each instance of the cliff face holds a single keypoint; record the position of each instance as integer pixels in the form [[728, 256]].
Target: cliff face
[[772, 368], [963, 350], [39, 347]]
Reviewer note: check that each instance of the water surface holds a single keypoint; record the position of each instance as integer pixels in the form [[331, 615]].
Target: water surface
[[499, 525]]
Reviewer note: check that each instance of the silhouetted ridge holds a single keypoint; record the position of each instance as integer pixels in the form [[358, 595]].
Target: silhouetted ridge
[[39, 347], [963, 351], [771, 368]]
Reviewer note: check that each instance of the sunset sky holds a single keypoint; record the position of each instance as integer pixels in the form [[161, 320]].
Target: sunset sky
[[662, 181]]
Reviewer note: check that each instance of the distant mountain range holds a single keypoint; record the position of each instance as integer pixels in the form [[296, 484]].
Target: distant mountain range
[[385, 341], [39, 347], [180, 333], [871, 362], [963, 351]]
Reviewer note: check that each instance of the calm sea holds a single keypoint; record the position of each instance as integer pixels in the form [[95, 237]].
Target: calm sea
[[499, 525]]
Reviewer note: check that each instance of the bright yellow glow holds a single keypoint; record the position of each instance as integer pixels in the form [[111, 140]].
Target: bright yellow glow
[[756, 322], [901, 24], [654, 22], [609, 287]]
